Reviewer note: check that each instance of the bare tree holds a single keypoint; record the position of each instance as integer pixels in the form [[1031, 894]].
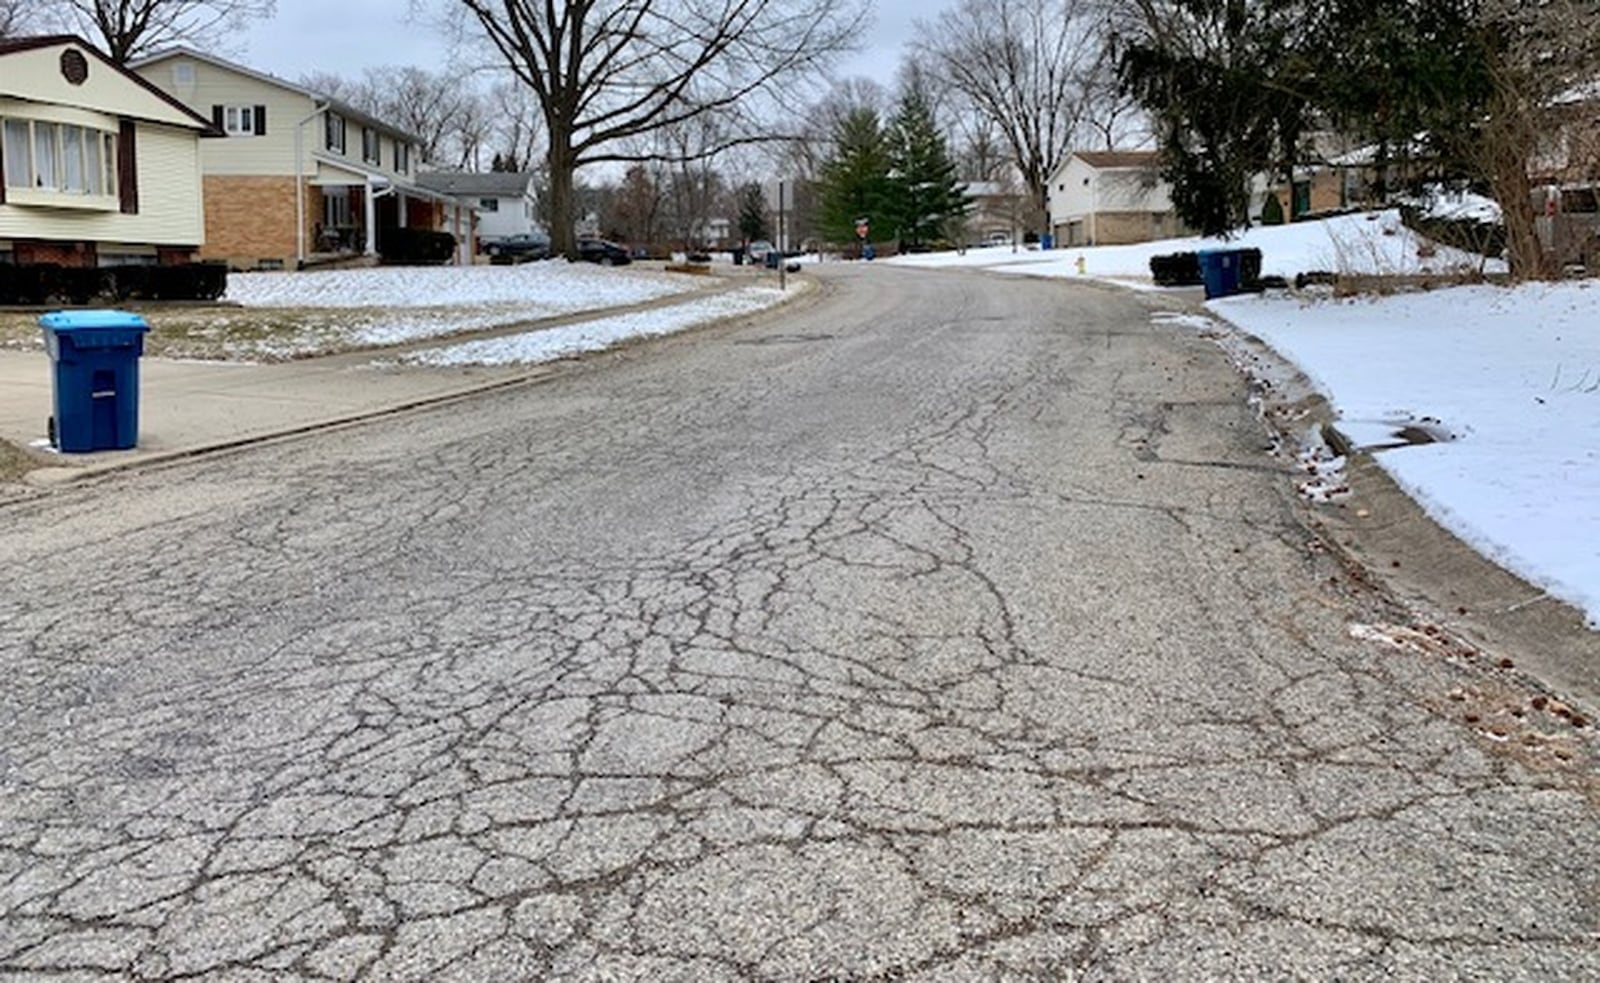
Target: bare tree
[[510, 121], [445, 115], [1543, 63], [350, 91], [130, 28], [16, 17], [607, 71], [1032, 67]]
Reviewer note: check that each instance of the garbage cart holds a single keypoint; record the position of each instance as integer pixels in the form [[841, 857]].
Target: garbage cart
[[95, 356]]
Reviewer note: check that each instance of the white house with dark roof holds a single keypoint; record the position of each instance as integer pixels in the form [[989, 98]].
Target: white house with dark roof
[[507, 202], [96, 166], [301, 177]]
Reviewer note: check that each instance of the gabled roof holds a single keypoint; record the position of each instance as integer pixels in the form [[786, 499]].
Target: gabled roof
[[496, 184], [1106, 160], [12, 46], [342, 108]]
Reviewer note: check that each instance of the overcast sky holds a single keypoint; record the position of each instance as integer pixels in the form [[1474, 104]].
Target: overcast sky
[[345, 36]]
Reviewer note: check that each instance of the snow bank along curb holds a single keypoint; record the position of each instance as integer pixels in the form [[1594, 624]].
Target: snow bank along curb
[[1440, 444]]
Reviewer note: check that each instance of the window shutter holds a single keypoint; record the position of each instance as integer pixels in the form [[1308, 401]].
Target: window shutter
[[261, 121], [216, 117], [127, 169], [2, 170]]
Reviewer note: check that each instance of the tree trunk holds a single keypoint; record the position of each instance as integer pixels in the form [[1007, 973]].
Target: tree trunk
[[1525, 251], [563, 235]]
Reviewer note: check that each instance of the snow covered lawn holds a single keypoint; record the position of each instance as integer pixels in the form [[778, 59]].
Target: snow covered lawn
[[1373, 243], [535, 289], [396, 305], [286, 316], [589, 336], [1506, 380]]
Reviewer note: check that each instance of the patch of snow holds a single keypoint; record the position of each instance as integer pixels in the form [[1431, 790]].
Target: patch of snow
[[590, 336], [1325, 470], [1365, 243], [1510, 375], [531, 289]]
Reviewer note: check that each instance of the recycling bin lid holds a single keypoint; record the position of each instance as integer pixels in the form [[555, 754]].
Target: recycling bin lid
[[81, 320]]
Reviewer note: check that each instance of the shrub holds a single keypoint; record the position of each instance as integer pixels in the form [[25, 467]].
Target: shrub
[[411, 247], [1176, 270], [1272, 211]]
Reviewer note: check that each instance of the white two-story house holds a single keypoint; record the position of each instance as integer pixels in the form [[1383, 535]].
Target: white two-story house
[[300, 177], [506, 202], [1111, 197], [96, 167]]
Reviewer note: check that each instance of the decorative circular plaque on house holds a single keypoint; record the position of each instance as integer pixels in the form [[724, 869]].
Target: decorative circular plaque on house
[[74, 67]]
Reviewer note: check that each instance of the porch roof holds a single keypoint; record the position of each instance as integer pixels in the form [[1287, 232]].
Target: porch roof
[[335, 172]]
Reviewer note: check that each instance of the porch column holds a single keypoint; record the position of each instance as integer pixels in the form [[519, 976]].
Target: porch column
[[401, 205], [372, 219]]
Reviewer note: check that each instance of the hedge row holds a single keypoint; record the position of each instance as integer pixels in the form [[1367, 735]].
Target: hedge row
[[44, 283], [1176, 270], [1183, 269], [406, 246]]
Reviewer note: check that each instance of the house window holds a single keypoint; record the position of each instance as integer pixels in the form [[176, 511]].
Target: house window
[[336, 211], [58, 157], [183, 73], [402, 157], [19, 167], [370, 147], [334, 127], [488, 204], [239, 121]]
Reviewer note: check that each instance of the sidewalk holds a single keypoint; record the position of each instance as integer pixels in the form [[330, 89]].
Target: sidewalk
[[190, 406]]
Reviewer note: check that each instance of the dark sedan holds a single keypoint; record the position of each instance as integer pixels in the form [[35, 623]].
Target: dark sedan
[[604, 252], [518, 248]]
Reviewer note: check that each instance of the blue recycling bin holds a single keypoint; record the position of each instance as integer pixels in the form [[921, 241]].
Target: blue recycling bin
[[1047, 242], [95, 355], [1220, 271]]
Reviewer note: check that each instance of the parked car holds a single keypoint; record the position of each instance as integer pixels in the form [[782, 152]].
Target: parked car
[[519, 248], [604, 252], [757, 252]]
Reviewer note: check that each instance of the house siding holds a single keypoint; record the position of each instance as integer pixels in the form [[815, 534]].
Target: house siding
[[250, 220], [269, 154], [35, 76], [1123, 228], [169, 213]]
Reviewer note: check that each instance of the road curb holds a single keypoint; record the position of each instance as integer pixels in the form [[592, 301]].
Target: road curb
[[1423, 568]]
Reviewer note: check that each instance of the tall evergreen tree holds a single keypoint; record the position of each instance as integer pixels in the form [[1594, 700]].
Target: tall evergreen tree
[[854, 182], [925, 197], [752, 212], [1226, 87]]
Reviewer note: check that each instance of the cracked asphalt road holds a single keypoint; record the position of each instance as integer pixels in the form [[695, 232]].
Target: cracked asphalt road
[[948, 628]]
